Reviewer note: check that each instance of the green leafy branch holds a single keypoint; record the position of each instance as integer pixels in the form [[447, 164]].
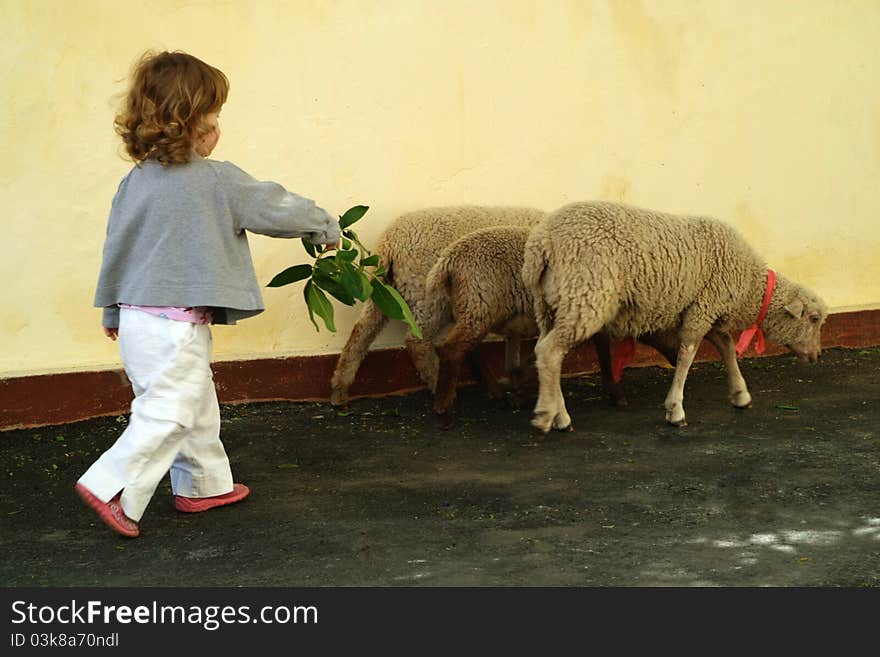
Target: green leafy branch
[[349, 274]]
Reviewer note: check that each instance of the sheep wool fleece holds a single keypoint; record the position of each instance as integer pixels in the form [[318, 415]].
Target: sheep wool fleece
[[175, 417], [630, 272], [409, 247], [639, 270]]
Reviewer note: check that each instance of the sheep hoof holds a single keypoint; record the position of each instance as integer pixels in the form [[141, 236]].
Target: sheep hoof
[[542, 423], [676, 417], [445, 420], [562, 422], [339, 398], [741, 400]]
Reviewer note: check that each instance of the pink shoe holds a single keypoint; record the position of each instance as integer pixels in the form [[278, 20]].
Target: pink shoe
[[110, 512], [199, 504]]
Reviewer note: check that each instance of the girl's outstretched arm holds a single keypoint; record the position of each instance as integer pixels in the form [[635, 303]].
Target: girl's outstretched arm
[[269, 209]]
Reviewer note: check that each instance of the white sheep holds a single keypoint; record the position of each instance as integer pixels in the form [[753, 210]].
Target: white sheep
[[481, 276], [408, 248], [632, 271]]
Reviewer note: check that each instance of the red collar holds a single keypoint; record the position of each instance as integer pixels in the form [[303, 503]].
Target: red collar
[[755, 329], [625, 350]]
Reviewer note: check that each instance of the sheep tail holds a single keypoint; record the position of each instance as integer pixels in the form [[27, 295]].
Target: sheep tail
[[439, 279], [535, 261]]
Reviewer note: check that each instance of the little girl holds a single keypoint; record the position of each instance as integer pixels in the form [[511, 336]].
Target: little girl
[[176, 259]]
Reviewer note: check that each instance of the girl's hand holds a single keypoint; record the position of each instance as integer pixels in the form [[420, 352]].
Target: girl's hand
[[111, 333]]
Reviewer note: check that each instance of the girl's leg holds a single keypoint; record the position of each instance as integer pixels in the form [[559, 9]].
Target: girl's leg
[[167, 364], [201, 468]]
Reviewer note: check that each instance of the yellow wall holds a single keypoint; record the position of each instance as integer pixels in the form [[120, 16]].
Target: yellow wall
[[765, 114]]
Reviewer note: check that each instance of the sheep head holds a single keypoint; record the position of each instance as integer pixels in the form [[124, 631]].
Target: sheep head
[[795, 319]]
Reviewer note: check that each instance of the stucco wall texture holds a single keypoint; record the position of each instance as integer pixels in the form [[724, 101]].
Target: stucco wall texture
[[766, 115]]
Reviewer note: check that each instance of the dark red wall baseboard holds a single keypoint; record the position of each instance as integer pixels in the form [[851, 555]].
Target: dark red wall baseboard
[[31, 401]]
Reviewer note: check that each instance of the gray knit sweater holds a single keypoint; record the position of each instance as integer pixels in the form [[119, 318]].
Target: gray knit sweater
[[176, 237]]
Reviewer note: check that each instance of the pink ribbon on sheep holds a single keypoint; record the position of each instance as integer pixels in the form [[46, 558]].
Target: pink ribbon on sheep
[[745, 338]]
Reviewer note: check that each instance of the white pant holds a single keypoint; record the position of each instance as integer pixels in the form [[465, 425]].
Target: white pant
[[175, 417]]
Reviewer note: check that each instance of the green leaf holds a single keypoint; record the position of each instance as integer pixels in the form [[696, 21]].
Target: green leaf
[[371, 261], [352, 215], [328, 265], [346, 255], [356, 282], [387, 303], [332, 284], [350, 234], [291, 275], [307, 291], [393, 305], [407, 313], [346, 243], [318, 304], [309, 247]]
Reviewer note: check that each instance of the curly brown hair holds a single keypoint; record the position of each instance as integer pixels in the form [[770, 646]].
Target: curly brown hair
[[163, 111]]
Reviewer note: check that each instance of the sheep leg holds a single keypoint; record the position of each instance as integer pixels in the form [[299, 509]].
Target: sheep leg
[[434, 318], [488, 378], [519, 376], [612, 389], [424, 359], [450, 356], [527, 376], [369, 324], [738, 391], [675, 398], [522, 376], [550, 410], [511, 354]]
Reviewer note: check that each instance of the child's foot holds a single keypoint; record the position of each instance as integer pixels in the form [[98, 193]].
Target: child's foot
[[110, 512], [198, 504]]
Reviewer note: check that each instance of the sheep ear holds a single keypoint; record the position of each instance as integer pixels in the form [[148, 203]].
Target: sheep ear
[[795, 308]]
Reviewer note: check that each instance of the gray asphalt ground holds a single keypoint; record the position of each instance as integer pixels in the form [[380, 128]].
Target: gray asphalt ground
[[784, 494]]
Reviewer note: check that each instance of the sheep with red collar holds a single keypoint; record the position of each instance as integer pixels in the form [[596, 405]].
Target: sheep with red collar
[[635, 271]]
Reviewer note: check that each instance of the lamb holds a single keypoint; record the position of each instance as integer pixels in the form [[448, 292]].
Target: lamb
[[408, 248], [480, 275], [632, 271]]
